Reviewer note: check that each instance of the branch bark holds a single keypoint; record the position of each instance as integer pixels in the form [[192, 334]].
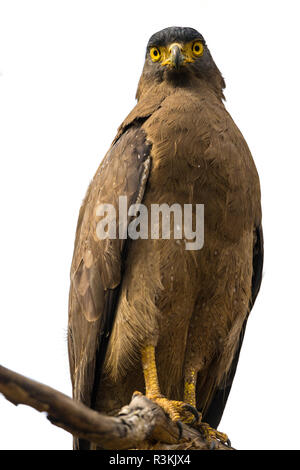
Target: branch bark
[[140, 425]]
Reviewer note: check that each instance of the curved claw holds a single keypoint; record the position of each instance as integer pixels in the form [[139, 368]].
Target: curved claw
[[228, 442], [180, 429], [194, 412]]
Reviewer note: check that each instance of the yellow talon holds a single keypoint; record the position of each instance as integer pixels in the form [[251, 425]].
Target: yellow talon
[[211, 435], [177, 410]]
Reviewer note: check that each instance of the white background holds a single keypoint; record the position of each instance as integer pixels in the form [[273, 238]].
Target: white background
[[69, 71]]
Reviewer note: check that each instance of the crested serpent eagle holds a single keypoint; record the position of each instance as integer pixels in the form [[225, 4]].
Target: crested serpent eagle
[[148, 314]]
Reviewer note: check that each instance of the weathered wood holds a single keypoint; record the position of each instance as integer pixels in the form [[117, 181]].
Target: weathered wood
[[140, 425]]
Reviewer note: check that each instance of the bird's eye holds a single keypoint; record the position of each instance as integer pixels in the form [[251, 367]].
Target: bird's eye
[[155, 54], [197, 48]]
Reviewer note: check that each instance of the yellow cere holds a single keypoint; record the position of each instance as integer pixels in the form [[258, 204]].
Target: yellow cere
[[190, 52]]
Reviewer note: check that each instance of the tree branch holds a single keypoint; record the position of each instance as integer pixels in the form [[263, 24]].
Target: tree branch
[[140, 425]]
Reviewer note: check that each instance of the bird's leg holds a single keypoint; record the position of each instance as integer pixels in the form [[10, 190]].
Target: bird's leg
[[190, 389], [209, 434], [150, 372], [177, 410]]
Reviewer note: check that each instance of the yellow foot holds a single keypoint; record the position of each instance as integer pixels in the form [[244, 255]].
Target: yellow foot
[[212, 436], [178, 411]]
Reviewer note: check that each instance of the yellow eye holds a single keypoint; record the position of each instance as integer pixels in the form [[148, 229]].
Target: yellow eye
[[197, 48], [155, 54]]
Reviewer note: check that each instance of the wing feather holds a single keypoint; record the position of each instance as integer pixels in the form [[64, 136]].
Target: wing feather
[[215, 410], [97, 265]]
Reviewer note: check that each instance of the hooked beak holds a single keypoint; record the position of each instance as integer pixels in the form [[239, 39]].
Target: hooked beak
[[175, 58]]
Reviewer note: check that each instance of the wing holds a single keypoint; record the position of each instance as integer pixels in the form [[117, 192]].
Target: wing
[[96, 270], [217, 405]]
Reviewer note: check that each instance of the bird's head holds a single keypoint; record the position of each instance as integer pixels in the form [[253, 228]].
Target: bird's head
[[177, 54]]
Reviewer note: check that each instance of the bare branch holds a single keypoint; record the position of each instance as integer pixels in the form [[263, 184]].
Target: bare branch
[[142, 424]]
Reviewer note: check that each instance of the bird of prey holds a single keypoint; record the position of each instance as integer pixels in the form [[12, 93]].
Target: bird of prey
[[147, 314]]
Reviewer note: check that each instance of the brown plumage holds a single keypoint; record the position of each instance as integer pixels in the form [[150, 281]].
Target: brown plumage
[[178, 145]]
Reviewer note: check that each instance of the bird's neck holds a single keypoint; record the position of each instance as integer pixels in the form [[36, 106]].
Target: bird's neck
[[159, 90]]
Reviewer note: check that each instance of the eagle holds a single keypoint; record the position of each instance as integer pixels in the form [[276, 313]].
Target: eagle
[[145, 313]]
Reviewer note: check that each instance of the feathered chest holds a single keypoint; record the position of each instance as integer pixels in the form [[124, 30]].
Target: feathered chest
[[200, 156]]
